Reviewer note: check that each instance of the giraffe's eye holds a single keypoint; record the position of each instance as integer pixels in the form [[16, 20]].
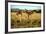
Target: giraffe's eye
[[18, 21], [28, 22]]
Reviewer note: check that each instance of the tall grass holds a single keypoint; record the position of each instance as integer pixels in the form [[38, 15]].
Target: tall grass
[[25, 20]]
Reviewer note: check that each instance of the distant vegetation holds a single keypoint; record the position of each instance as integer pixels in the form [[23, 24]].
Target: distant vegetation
[[25, 18]]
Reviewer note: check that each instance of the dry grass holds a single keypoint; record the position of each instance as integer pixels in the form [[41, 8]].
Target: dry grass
[[23, 21]]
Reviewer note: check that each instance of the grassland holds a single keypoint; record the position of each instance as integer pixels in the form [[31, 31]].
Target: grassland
[[25, 19]]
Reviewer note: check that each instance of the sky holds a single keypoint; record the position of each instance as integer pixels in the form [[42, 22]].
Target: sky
[[25, 7]]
